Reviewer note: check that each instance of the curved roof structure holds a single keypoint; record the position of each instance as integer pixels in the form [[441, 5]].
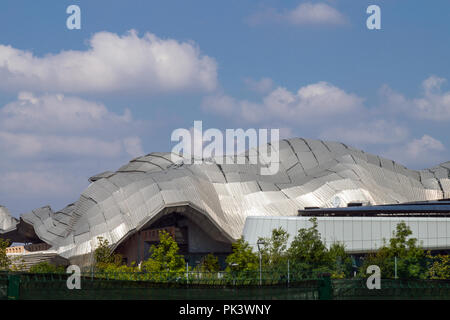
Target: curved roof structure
[[7, 223], [220, 197]]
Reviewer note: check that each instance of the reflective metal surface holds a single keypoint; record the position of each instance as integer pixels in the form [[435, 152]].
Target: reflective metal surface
[[312, 173]]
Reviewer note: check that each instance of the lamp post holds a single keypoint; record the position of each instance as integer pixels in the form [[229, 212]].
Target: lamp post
[[234, 276], [260, 242]]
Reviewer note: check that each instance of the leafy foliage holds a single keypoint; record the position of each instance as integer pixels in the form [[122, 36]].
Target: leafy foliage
[[164, 256], [242, 259], [164, 263], [307, 246], [104, 258], [209, 263], [439, 267], [4, 261], [308, 253], [341, 263], [17, 264], [45, 267], [411, 259], [308, 256], [274, 249]]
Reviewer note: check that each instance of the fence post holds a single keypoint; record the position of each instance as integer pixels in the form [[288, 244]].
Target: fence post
[[288, 276], [13, 287], [395, 266], [325, 288]]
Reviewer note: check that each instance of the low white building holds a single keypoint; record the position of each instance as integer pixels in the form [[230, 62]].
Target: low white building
[[362, 229]]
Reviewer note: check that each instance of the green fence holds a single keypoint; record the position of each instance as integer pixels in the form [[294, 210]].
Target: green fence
[[114, 286], [3, 287], [355, 289]]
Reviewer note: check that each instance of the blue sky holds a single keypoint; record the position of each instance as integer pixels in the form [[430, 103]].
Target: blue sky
[[74, 103]]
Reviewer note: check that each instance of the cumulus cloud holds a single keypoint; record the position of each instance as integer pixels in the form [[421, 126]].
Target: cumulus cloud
[[32, 145], [310, 104], [319, 13], [55, 125], [51, 143], [378, 131], [264, 85], [35, 183], [422, 145], [419, 153], [111, 63], [304, 14], [133, 146], [434, 104], [56, 112]]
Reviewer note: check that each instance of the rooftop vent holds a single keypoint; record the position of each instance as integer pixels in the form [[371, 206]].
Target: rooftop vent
[[354, 204]]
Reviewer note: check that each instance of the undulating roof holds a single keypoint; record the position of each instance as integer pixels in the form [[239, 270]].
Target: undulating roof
[[311, 173]]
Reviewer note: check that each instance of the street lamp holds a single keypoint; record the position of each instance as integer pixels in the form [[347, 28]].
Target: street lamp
[[260, 242], [233, 272]]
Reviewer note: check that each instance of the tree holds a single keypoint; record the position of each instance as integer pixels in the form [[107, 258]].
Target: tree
[[274, 251], [440, 267], [45, 267], [308, 254], [164, 256], [4, 260], [411, 259], [104, 257], [242, 259], [209, 263], [341, 263]]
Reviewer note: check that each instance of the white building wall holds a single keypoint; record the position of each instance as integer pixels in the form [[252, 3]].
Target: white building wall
[[358, 234]]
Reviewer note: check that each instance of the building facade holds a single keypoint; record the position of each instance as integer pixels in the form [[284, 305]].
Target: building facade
[[206, 205]]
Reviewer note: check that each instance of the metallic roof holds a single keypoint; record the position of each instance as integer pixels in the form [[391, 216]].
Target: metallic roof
[[424, 208], [221, 197], [7, 223]]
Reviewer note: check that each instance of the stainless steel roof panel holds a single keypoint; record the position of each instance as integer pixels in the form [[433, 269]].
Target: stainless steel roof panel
[[127, 200]]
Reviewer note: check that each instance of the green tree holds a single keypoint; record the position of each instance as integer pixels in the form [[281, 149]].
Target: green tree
[[439, 267], [411, 259], [242, 259], [274, 251], [341, 263], [209, 263], [308, 254], [104, 257], [4, 260], [45, 267], [164, 256]]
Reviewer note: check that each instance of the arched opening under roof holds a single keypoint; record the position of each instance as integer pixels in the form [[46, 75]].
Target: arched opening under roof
[[195, 234]]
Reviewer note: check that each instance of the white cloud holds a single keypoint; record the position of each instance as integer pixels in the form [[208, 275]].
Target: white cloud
[[51, 143], [35, 183], [313, 103], [34, 145], [55, 125], [112, 63], [418, 147], [419, 153], [367, 132], [434, 104], [220, 104], [304, 14], [264, 85], [319, 13], [133, 146], [56, 112]]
